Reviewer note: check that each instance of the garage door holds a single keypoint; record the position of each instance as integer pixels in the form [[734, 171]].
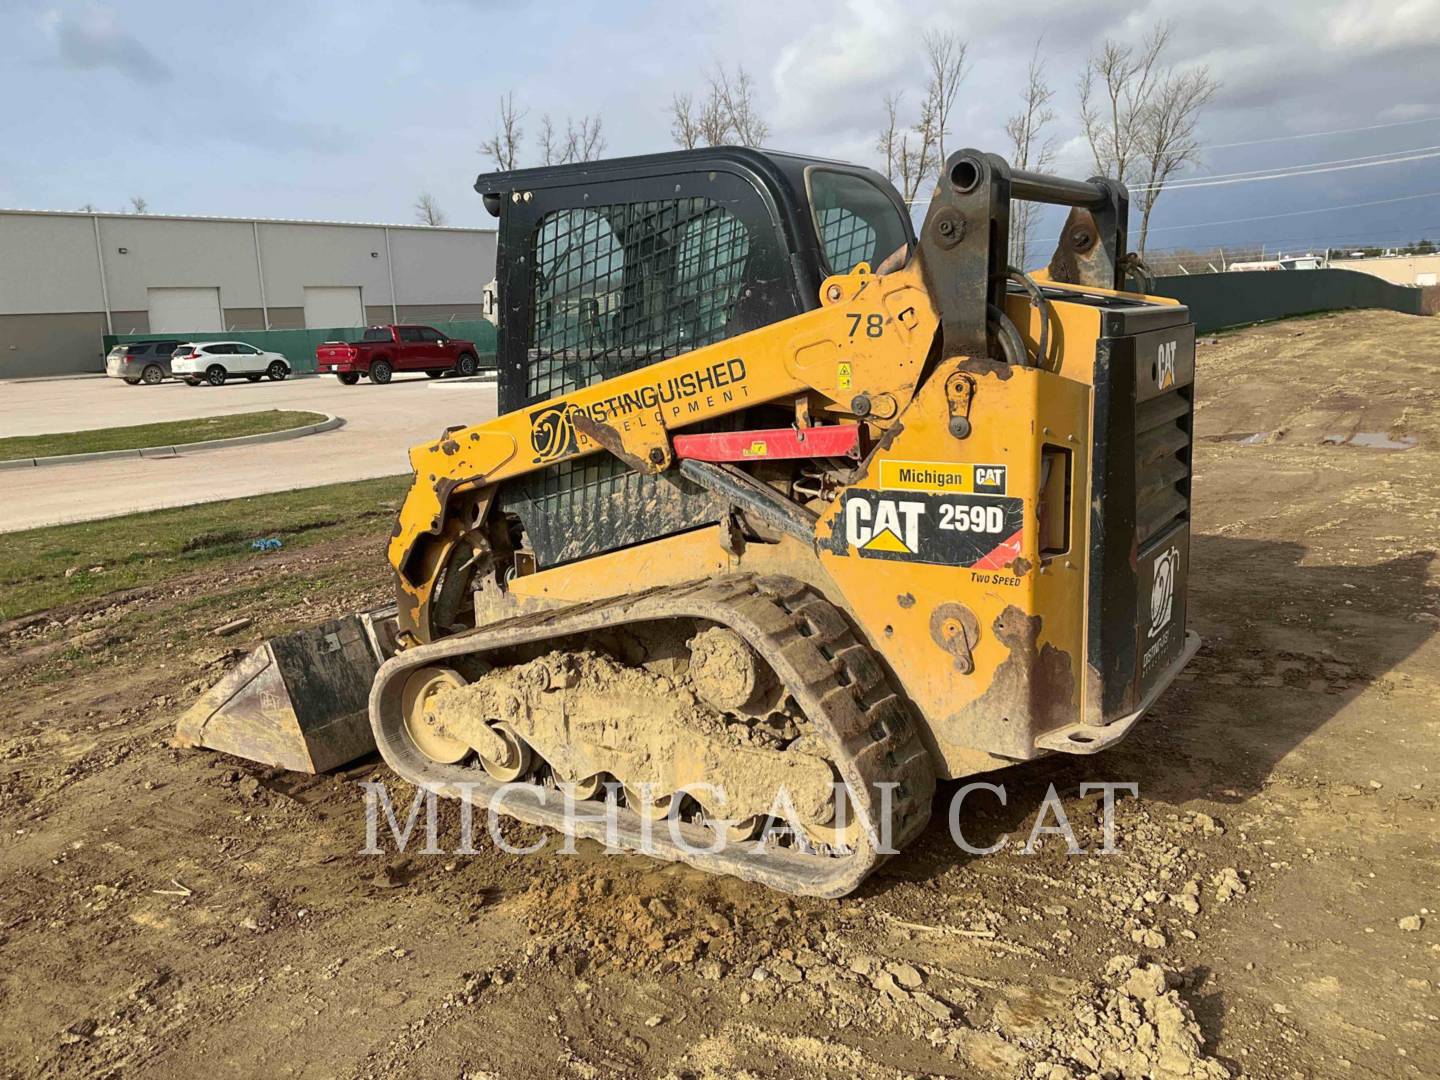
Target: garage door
[[333, 305], [183, 311]]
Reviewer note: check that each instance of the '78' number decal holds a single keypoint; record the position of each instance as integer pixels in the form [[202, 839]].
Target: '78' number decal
[[874, 324]]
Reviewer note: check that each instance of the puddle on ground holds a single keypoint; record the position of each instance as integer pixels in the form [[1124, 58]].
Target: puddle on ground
[[1246, 438], [1371, 440]]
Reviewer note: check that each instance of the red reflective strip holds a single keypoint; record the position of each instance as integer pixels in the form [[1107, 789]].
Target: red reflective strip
[[835, 440], [1002, 556]]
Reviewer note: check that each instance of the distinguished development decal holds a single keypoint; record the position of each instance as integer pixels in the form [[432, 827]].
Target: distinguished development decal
[[947, 530], [1162, 590], [1160, 576], [965, 477], [552, 426]]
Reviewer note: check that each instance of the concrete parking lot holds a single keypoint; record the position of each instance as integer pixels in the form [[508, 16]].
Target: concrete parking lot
[[381, 424]]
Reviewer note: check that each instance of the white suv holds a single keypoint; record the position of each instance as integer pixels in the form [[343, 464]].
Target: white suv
[[215, 361]]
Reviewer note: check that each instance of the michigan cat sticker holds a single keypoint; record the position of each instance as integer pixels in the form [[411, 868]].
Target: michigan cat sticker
[[928, 527], [962, 478]]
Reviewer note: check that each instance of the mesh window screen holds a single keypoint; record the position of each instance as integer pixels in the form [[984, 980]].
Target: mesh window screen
[[856, 220], [621, 286], [848, 238]]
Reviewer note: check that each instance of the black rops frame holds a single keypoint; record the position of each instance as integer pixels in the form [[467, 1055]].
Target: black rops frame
[[766, 190]]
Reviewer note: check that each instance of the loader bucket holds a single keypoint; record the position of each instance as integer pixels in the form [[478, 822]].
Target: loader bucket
[[299, 701]]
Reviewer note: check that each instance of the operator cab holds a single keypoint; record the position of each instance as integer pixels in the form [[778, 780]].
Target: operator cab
[[607, 266]]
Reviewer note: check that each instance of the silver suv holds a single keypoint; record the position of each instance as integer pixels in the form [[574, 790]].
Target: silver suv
[[141, 361]]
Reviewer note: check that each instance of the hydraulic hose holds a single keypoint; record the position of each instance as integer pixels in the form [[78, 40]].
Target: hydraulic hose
[[1008, 337], [1040, 304]]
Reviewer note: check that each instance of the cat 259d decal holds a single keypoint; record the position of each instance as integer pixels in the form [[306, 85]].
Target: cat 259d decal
[[913, 526]]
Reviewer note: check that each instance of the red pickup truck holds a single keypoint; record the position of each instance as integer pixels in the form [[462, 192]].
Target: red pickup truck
[[384, 350]]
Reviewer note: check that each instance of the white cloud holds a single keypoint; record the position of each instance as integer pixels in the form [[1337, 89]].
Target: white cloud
[[1372, 27], [840, 61]]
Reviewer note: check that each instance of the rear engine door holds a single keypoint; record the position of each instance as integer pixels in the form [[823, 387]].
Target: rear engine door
[[1140, 520]]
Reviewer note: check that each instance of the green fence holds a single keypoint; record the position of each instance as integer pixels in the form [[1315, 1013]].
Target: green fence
[[298, 346], [1240, 298]]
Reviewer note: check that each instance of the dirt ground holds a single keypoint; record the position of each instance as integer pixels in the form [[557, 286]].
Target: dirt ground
[[1272, 910]]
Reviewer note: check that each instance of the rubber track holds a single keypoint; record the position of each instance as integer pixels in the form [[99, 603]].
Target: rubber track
[[835, 678]]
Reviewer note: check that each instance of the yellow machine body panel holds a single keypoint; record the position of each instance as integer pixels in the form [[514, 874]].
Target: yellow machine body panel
[[830, 352], [963, 547], [977, 637], [990, 645], [753, 524]]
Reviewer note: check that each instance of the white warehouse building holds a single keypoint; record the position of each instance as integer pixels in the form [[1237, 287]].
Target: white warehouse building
[[68, 278]]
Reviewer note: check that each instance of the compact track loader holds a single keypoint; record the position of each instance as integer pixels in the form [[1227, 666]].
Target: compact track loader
[[788, 513]]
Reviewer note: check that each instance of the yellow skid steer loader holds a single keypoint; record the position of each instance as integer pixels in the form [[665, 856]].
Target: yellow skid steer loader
[[789, 512]]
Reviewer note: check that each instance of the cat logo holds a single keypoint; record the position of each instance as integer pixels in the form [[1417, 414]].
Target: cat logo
[[893, 525], [990, 478], [1165, 365]]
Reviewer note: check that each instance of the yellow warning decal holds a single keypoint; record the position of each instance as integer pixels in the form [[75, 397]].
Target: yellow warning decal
[[963, 477], [757, 448], [844, 375]]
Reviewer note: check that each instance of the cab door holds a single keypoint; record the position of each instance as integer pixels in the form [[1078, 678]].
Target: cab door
[[440, 349], [412, 354], [246, 359]]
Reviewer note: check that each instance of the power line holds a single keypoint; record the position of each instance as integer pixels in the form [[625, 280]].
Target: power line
[[1187, 181], [1398, 157], [1297, 213], [1282, 172], [1321, 134], [1291, 175]]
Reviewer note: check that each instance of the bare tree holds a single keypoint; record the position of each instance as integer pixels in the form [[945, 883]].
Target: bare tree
[[945, 60], [1167, 140], [1030, 149], [550, 148], [713, 123], [888, 143], [684, 124], [503, 147], [914, 153], [427, 210], [88, 208], [1114, 91], [580, 142], [909, 152], [736, 93], [727, 113], [585, 142], [138, 205]]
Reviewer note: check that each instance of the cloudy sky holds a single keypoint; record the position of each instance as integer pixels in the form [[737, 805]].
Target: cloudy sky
[[347, 110]]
